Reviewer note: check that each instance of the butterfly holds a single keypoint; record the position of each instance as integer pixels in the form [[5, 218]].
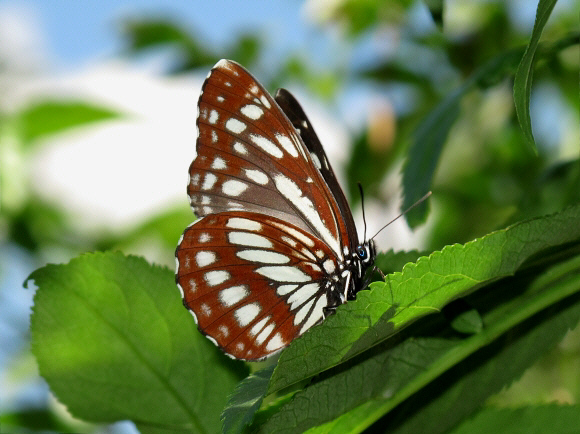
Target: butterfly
[[275, 249]]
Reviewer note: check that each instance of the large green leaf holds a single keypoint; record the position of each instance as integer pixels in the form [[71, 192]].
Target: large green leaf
[[426, 371], [540, 419], [421, 288], [246, 400], [114, 342], [524, 74]]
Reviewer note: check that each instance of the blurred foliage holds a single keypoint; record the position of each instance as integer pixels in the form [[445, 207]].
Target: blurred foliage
[[45, 118], [457, 133], [144, 34]]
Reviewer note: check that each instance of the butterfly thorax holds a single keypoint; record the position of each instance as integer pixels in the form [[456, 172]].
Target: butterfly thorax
[[351, 275]]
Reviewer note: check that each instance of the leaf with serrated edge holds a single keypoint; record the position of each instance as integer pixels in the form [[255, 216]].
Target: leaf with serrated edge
[[537, 419], [113, 341], [425, 371], [421, 288], [245, 401]]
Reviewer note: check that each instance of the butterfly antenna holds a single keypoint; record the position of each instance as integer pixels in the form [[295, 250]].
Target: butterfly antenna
[[362, 203], [403, 213]]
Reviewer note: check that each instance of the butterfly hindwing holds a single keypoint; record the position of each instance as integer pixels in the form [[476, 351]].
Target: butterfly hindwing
[[254, 283]]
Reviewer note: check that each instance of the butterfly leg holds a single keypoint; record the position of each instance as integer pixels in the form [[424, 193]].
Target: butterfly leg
[[328, 310]]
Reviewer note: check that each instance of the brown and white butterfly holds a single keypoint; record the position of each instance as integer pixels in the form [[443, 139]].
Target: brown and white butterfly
[[275, 249]]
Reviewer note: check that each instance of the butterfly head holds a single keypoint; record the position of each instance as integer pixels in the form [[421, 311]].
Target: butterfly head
[[366, 253]]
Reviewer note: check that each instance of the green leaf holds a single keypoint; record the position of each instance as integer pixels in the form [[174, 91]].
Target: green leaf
[[468, 322], [425, 371], [246, 400], [523, 77], [436, 10], [555, 419], [391, 261], [113, 341], [431, 134], [421, 288], [51, 117]]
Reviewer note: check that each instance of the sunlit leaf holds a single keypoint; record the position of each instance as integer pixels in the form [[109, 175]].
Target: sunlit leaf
[[421, 288], [113, 341], [425, 371]]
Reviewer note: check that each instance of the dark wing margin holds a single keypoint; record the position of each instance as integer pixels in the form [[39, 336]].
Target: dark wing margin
[[293, 110]]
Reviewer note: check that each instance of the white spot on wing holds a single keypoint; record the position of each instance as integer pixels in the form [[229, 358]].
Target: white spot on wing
[[203, 258], [216, 277], [257, 176], [230, 296], [259, 325], [233, 187], [235, 126], [246, 224], [225, 332], [220, 98], [240, 149], [249, 240], [192, 285], [275, 343], [208, 181], [247, 313], [316, 160], [285, 289], [301, 314], [266, 145], [288, 240], [329, 266], [205, 309], [316, 315], [296, 234], [299, 297], [287, 144], [218, 163], [283, 273], [214, 137], [265, 101], [194, 180], [213, 116], [263, 256], [252, 111], [265, 333], [204, 237]]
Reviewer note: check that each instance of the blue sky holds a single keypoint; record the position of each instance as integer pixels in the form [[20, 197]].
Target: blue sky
[[77, 31]]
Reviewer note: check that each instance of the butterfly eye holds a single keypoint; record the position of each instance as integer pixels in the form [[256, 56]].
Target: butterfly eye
[[361, 252]]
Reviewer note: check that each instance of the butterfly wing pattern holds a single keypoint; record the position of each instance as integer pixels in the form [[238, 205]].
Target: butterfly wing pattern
[[275, 248]]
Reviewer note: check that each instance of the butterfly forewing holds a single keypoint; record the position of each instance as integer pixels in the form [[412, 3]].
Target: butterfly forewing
[[253, 282], [251, 158]]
